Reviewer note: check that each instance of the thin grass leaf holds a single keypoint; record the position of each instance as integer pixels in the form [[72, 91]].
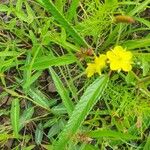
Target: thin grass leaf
[[82, 109], [139, 8], [62, 92], [147, 145], [111, 134], [31, 147], [133, 44], [15, 111], [144, 21], [72, 10], [48, 5], [46, 62]]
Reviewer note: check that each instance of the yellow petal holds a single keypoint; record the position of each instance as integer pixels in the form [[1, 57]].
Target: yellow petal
[[110, 55], [128, 55], [126, 67], [90, 70], [115, 66]]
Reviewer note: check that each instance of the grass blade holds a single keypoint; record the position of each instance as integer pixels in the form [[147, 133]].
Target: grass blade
[[72, 10], [62, 92], [147, 145], [139, 8], [87, 101], [111, 134], [15, 110], [46, 62], [133, 44], [48, 5]]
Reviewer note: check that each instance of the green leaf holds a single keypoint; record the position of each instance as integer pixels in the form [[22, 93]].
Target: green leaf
[[47, 147], [147, 145], [46, 61], [15, 111], [5, 136], [48, 5], [141, 6], [111, 134], [27, 114], [3, 8], [62, 92], [72, 9], [133, 44], [82, 109], [39, 98], [39, 134], [31, 147], [30, 13]]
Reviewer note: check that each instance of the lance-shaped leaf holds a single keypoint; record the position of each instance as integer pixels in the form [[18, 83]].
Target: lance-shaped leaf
[[82, 109]]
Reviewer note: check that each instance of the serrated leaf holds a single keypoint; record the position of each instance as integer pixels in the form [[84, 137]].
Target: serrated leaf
[[62, 92], [39, 98], [27, 114], [86, 103], [39, 134], [15, 111]]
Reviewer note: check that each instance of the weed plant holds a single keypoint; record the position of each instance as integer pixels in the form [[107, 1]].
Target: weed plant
[[46, 99]]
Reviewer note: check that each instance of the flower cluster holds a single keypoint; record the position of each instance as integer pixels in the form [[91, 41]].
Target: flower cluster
[[118, 59]]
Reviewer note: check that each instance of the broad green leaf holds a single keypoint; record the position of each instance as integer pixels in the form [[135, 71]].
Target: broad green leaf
[[111, 134], [46, 61], [48, 5], [62, 92], [27, 114], [82, 109], [15, 111], [39, 98], [4, 8], [39, 134]]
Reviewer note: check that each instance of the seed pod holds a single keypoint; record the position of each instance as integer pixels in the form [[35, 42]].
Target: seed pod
[[84, 53], [123, 19]]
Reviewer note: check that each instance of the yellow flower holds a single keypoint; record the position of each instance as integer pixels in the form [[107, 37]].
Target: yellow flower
[[100, 63], [97, 66], [90, 70], [119, 59]]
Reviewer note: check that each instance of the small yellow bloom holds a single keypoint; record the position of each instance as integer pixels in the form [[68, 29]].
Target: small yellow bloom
[[97, 66], [119, 59], [90, 70]]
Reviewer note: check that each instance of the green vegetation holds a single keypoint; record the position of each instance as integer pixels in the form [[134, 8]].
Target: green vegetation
[[47, 101]]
